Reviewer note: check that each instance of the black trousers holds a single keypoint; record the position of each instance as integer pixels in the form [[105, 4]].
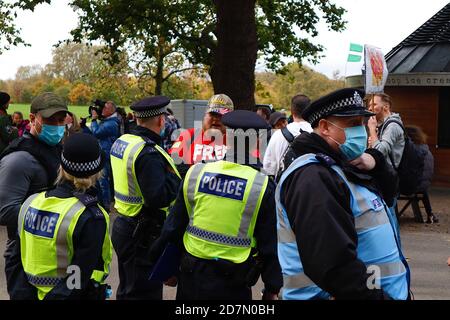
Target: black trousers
[[203, 280], [134, 264]]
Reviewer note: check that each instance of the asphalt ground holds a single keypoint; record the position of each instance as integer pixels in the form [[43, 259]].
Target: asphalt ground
[[426, 247]]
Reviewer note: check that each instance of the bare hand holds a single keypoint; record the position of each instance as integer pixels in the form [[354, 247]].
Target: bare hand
[[269, 296], [365, 163], [372, 125]]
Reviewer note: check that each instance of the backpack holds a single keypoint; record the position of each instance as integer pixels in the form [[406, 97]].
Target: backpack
[[411, 165]]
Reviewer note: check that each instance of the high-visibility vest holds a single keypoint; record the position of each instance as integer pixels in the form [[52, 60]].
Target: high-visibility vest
[[377, 245], [223, 200], [127, 193], [46, 227]]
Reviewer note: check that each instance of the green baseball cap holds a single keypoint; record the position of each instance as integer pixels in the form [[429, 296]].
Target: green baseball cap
[[47, 104]]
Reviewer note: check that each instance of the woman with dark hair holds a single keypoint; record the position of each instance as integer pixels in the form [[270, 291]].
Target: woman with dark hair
[[420, 139]]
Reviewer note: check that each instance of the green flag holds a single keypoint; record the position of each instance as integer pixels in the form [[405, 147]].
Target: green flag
[[354, 58], [356, 47]]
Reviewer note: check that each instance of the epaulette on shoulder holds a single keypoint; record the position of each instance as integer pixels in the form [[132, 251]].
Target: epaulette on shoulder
[[149, 145], [86, 199], [325, 160]]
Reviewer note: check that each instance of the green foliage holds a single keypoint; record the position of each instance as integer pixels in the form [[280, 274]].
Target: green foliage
[[154, 32], [278, 89]]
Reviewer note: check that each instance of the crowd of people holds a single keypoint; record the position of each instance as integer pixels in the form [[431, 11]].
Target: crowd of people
[[306, 202]]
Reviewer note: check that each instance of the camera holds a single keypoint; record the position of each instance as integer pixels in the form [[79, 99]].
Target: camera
[[98, 106]]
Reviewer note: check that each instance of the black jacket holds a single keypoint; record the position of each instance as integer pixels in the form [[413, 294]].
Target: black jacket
[[265, 234], [317, 201], [158, 184], [88, 237]]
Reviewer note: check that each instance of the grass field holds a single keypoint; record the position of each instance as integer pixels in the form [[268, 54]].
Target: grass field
[[79, 111]]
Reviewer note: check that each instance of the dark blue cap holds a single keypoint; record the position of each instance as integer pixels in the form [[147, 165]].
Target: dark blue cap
[[346, 102], [151, 107], [243, 119]]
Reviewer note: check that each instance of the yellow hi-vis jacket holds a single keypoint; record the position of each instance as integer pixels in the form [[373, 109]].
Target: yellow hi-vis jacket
[[46, 227], [223, 201], [127, 194]]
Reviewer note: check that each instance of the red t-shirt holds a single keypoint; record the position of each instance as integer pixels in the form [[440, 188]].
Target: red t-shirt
[[193, 147]]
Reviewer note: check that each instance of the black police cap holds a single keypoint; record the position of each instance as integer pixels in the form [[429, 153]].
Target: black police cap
[[346, 102], [82, 156], [243, 119], [151, 107]]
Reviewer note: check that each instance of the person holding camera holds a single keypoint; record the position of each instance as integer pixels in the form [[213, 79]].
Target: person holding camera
[[106, 128]]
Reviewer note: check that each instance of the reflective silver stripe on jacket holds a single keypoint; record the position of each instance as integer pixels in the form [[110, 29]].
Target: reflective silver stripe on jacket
[[370, 220], [301, 280], [44, 281], [250, 206], [219, 238], [192, 184], [297, 281], [389, 269], [62, 246], [131, 185], [285, 233], [23, 211]]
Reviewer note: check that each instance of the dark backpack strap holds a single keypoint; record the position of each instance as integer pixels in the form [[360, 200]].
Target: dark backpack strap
[[383, 127], [287, 134]]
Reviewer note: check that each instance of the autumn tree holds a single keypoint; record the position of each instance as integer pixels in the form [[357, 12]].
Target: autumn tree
[[225, 36], [73, 61]]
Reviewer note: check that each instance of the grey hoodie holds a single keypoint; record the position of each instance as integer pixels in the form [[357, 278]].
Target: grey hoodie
[[392, 141]]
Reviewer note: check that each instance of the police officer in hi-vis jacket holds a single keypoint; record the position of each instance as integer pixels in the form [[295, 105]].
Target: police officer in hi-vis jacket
[[224, 222], [64, 240], [146, 182]]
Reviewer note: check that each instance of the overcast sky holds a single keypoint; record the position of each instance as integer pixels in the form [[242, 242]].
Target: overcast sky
[[382, 23]]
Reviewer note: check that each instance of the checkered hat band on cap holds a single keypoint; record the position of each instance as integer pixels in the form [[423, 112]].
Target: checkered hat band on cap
[[150, 113], [81, 166], [356, 100]]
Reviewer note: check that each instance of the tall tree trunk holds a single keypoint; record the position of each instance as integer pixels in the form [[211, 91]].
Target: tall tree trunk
[[159, 76], [233, 68]]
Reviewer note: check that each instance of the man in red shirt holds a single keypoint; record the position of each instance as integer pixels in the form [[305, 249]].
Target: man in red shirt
[[207, 143]]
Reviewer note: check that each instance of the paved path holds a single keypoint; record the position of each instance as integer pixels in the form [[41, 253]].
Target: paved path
[[427, 254]]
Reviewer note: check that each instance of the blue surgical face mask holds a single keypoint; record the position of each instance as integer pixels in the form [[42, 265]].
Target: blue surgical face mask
[[51, 135], [162, 132], [355, 141]]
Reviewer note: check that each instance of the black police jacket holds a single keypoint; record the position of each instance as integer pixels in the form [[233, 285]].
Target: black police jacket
[[317, 201]]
